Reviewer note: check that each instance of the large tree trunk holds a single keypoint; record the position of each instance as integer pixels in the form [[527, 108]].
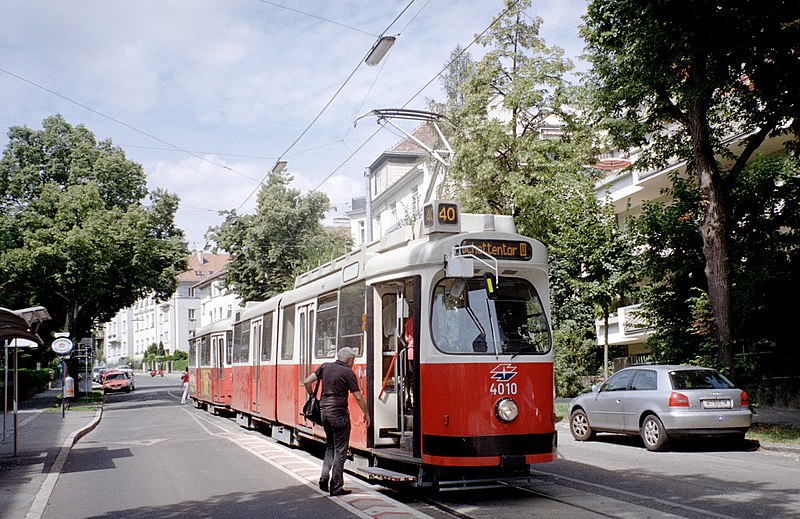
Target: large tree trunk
[[713, 230]]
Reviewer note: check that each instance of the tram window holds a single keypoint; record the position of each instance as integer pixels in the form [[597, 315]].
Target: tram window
[[229, 348], [351, 314], [205, 352], [266, 341], [241, 343], [325, 346], [463, 320], [193, 354], [287, 335]]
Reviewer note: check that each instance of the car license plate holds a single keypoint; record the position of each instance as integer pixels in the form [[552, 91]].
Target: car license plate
[[717, 404]]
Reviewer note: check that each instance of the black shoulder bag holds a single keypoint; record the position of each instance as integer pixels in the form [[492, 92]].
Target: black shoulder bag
[[311, 408]]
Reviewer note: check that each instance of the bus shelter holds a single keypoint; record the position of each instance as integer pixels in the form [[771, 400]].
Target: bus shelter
[[18, 326]]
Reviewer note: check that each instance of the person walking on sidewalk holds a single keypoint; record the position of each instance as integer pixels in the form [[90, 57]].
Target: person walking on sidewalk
[[338, 381], [185, 385]]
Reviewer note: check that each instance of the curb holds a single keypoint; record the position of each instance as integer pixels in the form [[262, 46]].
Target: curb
[[43, 495], [779, 447]]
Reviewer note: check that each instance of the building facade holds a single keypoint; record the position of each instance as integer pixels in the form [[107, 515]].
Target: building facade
[[166, 323]]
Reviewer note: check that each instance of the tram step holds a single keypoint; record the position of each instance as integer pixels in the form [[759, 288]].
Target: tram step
[[385, 474]]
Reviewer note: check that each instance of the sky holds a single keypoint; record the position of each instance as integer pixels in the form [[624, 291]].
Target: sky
[[208, 94]]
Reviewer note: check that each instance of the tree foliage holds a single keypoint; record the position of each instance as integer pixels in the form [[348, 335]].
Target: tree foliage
[[765, 252], [75, 235], [503, 164], [284, 238], [686, 76], [520, 146]]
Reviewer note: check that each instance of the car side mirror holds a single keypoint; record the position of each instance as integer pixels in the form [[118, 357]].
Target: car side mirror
[[595, 388]]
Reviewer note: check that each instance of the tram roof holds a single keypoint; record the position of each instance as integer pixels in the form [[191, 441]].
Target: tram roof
[[408, 245]]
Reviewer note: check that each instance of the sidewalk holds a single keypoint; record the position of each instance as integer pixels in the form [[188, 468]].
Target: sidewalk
[[44, 439]]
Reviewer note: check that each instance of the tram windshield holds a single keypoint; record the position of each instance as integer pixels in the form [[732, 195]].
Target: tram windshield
[[464, 320]]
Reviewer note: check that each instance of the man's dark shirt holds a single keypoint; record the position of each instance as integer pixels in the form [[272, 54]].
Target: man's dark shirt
[[338, 381]]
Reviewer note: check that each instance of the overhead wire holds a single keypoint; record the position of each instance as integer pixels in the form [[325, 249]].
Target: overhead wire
[[324, 108], [426, 85], [126, 125], [311, 15]]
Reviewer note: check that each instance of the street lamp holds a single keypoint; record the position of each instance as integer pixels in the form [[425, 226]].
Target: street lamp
[[278, 167], [379, 50]]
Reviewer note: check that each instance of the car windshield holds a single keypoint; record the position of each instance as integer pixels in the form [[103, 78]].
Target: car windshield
[[464, 320], [116, 376], [698, 379]]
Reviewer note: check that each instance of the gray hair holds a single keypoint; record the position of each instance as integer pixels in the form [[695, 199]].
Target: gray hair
[[345, 354]]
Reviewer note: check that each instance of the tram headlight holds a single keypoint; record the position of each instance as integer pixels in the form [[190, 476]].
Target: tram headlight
[[506, 410]]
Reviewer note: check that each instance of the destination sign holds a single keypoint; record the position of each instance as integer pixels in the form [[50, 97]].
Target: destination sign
[[442, 213], [503, 249]]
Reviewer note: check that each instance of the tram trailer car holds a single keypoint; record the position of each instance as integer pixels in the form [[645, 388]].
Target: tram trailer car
[[469, 404], [210, 366]]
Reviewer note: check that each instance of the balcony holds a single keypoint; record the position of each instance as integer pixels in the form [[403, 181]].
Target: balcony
[[627, 327]]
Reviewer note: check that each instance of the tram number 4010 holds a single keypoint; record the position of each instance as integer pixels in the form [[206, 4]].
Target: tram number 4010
[[503, 388]]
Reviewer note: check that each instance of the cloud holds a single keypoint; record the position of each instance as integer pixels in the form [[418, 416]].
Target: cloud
[[238, 77]]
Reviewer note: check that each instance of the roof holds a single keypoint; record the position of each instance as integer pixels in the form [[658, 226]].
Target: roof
[[424, 133], [203, 265], [14, 326]]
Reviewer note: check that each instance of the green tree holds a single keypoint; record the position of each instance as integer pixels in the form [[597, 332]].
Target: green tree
[[284, 238], [599, 258], [502, 163], [765, 249], [75, 235], [520, 145], [685, 76]]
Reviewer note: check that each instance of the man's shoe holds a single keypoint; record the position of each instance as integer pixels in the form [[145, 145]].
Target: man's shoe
[[323, 485], [341, 492]]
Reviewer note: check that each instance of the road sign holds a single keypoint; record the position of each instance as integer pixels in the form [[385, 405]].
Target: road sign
[[62, 346]]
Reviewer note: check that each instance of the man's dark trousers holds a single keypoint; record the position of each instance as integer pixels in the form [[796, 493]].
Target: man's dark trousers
[[337, 438]]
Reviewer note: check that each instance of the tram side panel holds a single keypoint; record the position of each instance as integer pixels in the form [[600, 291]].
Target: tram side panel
[[241, 384], [287, 392]]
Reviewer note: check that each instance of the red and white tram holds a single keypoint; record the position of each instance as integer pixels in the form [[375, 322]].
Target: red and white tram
[[450, 320]]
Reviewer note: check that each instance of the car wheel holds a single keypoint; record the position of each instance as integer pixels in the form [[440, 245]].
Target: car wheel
[[653, 433], [579, 426]]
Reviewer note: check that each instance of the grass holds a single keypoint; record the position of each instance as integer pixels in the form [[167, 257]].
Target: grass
[[82, 402], [771, 433], [561, 411], [774, 433]]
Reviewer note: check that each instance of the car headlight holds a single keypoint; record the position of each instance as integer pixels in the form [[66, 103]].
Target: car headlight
[[506, 410]]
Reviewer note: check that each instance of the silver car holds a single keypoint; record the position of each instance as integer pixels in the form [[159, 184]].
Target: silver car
[[662, 402]]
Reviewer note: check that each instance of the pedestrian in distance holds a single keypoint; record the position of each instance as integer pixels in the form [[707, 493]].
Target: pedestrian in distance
[[338, 381], [185, 385]]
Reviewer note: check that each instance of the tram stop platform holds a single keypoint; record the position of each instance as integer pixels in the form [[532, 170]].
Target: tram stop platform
[[31, 464]]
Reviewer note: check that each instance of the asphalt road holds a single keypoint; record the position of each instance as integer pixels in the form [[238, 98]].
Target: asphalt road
[[151, 457], [616, 476]]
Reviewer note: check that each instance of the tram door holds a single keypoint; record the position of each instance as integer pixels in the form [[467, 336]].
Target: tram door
[[395, 381], [218, 368], [305, 332], [256, 338]]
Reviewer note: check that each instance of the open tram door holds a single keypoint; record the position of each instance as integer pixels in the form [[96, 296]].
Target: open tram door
[[396, 379]]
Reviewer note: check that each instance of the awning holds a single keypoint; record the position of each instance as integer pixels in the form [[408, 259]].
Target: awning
[[14, 326]]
